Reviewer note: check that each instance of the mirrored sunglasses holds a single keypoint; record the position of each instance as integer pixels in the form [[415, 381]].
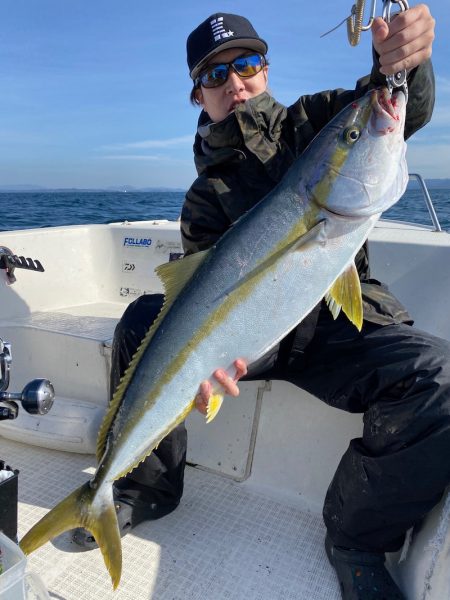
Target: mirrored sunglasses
[[244, 66]]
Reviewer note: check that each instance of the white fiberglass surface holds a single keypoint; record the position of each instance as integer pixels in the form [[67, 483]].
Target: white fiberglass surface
[[222, 542]]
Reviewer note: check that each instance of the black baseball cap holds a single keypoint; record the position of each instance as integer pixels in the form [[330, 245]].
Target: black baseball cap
[[219, 32]]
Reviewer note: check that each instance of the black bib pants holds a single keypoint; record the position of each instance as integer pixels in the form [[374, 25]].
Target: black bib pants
[[396, 375]]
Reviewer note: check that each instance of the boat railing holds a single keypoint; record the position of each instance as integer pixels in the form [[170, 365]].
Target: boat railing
[[428, 201]]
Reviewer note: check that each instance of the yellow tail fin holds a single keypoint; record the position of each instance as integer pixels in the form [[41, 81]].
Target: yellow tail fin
[[80, 510]]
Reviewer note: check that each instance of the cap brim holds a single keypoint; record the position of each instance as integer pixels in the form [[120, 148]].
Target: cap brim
[[258, 45]]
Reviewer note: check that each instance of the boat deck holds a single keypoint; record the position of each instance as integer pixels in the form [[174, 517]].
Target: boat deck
[[223, 542], [249, 525]]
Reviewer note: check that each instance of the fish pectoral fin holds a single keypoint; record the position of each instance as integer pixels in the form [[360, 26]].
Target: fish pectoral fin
[[214, 404], [315, 235], [77, 510], [345, 294]]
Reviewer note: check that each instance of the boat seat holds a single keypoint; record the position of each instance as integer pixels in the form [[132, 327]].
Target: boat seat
[[78, 338], [71, 347], [87, 326]]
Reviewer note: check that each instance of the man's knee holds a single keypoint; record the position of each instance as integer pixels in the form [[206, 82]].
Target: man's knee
[[141, 313], [415, 402]]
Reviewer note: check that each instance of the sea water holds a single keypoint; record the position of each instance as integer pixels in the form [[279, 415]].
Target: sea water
[[49, 209]]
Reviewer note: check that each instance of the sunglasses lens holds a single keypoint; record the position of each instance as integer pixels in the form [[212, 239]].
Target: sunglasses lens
[[215, 76], [245, 66]]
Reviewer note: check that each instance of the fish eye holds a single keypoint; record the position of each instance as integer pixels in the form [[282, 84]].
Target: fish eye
[[351, 135]]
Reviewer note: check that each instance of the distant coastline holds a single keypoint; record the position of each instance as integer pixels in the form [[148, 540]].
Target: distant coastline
[[431, 184], [120, 188], [26, 210]]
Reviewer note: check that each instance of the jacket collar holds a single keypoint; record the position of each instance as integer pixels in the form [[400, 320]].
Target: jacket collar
[[254, 125]]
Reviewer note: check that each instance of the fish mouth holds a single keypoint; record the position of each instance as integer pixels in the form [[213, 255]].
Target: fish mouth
[[388, 111]]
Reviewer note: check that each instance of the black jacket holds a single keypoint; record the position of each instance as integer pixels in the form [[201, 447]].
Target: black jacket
[[240, 160]]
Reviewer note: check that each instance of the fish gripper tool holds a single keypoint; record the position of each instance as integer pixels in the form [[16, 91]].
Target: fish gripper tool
[[397, 80]]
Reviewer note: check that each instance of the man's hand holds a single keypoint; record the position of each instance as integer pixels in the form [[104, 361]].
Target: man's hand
[[228, 383], [406, 41]]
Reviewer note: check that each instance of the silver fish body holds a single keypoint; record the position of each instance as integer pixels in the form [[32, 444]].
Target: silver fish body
[[244, 295]]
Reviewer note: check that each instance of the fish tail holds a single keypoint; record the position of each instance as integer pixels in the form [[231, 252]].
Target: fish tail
[[82, 509]]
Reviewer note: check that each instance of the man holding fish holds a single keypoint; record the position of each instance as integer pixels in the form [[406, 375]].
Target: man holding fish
[[364, 358], [324, 356]]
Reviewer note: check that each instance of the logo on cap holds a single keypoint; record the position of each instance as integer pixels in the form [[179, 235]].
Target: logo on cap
[[218, 30]]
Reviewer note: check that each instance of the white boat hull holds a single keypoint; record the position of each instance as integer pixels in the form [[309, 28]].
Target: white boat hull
[[271, 440]]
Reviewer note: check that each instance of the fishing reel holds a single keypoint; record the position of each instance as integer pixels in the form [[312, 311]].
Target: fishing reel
[[36, 397]]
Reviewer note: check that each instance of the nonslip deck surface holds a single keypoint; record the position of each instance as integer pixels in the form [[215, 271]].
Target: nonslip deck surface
[[223, 541]]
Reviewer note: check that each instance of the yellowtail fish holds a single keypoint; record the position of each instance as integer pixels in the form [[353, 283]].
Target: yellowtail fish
[[242, 296]]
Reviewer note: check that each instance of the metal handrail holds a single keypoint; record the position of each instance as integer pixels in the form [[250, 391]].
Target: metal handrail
[[428, 201]]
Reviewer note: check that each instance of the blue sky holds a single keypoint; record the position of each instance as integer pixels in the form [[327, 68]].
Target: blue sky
[[95, 94]]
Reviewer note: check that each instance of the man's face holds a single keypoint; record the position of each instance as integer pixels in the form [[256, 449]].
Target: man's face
[[218, 102]]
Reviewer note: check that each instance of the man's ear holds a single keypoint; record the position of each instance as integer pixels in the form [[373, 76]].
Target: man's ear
[[199, 96]]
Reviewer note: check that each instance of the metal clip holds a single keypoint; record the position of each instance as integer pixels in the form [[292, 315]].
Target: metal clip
[[398, 79]]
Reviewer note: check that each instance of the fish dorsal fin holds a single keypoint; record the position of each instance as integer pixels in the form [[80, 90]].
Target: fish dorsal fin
[[345, 293], [174, 276]]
